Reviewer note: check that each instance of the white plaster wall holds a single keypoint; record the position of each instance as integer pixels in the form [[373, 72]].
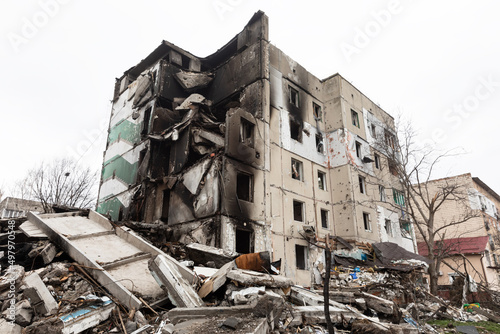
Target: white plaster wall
[[383, 214], [306, 148], [341, 149]]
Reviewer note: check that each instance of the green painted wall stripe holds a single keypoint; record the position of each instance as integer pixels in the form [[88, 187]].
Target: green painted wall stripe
[[127, 131], [111, 207], [123, 170]]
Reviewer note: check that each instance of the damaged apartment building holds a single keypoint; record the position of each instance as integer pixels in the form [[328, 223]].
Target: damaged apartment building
[[246, 151]]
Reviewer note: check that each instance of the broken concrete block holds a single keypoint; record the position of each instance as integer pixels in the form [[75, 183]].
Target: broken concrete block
[[38, 294], [180, 291], [231, 323], [246, 292], [248, 277], [178, 314], [216, 281], [20, 312], [14, 274], [7, 327], [202, 254], [191, 81], [48, 253], [380, 305]]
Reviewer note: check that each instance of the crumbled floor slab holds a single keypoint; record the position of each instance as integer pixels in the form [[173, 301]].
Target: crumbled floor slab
[[38, 294]]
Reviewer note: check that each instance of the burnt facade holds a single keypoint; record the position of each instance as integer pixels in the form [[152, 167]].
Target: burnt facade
[[242, 149]]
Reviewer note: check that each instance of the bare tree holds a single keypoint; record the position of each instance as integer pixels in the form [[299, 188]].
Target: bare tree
[[61, 182], [421, 200]]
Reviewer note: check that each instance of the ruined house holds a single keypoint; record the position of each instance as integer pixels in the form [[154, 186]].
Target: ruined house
[[247, 151], [473, 247], [11, 207]]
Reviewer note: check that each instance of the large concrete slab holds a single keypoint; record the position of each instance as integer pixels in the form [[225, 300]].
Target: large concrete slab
[[118, 256]]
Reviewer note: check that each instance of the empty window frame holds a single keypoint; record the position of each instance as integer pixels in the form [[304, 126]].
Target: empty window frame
[[366, 221], [294, 96], [358, 150], [355, 118], [389, 139], [320, 146], [362, 184], [298, 211], [388, 227], [295, 130], [301, 257], [487, 257], [243, 241], [244, 186], [297, 170], [381, 192], [317, 112], [247, 132], [377, 161], [321, 180], [146, 121], [393, 169], [166, 205], [324, 218], [373, 130]]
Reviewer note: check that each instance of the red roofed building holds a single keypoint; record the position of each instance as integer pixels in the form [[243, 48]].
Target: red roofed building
[[466, 246], [473, 246]]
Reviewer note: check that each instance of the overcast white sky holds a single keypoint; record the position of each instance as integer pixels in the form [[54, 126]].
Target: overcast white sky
[[436, 62]]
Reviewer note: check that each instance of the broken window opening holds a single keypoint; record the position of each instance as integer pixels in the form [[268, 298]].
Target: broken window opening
[[354, 118], [381, 191], [142, 155], [324, 218], [295, 130], [317, 112], [377, 161], [389, 139], [146, 121], [321, 180], [297, 170], [405, 228], [358, 150], [246, 132], [487, 257], [298, 211], [393, 169], [244, 186], [366, 221], [301, 257], [373, 131], [362, 184], [166, 205], [294, 96], [319, 143], [185, 62], [388, 227], [243, 241]]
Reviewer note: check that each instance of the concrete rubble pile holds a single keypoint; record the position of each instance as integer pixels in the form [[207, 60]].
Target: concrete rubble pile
[[59, 290]]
